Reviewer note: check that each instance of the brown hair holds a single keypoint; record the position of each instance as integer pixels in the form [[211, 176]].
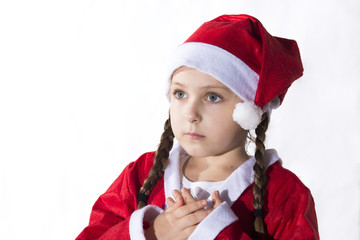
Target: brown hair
[[260, 178], [160, 161], [162, 155]]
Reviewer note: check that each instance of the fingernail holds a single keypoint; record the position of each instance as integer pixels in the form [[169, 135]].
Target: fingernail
[[203, 202]]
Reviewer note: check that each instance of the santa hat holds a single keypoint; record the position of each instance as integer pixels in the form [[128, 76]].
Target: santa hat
[[239, 52]]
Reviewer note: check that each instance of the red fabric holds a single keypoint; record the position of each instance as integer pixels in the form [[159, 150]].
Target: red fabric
[[111, 212], [289, 207], [276, 60]]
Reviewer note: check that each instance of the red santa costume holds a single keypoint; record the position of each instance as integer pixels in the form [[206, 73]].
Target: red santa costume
[[289, 207], [259, 68]]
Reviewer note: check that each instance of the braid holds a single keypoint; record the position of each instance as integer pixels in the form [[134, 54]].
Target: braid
[[156, 172], [260, 178]]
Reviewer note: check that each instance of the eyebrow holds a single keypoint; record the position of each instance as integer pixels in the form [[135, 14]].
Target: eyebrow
[[204, 87]]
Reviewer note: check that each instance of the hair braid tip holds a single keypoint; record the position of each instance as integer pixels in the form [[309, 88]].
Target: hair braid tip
[[259, 178], [156, 172]]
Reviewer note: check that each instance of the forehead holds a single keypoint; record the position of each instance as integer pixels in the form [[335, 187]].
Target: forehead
[[190, 77]]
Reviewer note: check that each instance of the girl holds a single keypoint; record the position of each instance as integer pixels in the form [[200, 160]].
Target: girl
[[223, 82]]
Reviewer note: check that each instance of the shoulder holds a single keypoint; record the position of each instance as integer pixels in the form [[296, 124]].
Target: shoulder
[[135, 172], [280, 177], [144, 162], [287, 193], [290, 206]]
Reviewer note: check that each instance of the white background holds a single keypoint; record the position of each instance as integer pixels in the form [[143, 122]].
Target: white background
[[82, 94]]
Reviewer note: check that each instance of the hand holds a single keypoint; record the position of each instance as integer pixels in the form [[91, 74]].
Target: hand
[[188, 198], [180, 219], [185, 196]]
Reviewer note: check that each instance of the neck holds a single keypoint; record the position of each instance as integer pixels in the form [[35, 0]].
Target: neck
[[214, 168]]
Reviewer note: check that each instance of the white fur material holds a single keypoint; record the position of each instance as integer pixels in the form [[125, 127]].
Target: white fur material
[[229, 191], [214, 223], [275, 103], [247, 115], [218, 63], [148, 214], [172, 173], [232, 187]]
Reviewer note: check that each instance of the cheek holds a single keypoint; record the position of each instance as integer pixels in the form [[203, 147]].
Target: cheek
[[231, 130], [175, 118], [172, 112], [239, 134], [221, 116]]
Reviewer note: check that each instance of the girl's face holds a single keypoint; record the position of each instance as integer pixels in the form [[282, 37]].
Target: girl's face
[[201, 114]]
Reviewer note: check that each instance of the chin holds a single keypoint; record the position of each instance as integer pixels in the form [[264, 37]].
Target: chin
[[196, 151]]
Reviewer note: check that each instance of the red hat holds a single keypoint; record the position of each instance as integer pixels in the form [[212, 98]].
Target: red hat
[[239, 52]]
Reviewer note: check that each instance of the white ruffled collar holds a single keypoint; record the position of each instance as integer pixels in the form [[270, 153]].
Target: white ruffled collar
[[232, 187]]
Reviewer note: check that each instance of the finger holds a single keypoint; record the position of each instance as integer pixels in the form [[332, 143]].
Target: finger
[[178, 198], [193, 218], [174, 204], [190, 208], [170, 202], [188, 231], [216, 199], [187, 196]]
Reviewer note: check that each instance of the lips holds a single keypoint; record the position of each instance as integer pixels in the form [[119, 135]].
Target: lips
[[194, 135]]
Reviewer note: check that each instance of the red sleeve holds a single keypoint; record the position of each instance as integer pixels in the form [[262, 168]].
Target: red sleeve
[[299, 224], [111, 213], [232, 232], [289, 210]]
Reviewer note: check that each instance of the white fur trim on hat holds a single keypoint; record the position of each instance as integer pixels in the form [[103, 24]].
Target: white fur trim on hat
[[218, 63]]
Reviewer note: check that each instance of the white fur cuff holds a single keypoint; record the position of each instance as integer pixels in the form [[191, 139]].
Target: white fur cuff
[[148, 214], [212, 225]]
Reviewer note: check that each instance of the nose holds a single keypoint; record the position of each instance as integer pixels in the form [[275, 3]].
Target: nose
[[193, 114]]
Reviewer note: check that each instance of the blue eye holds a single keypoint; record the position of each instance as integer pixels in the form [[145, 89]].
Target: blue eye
[[179, 94], [212, 97]]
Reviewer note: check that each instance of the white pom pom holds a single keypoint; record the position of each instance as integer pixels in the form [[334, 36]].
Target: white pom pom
[[247, 115]]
